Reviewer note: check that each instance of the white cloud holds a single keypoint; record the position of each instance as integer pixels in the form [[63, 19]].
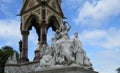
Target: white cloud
[[96, 14], [103, 38], [32, 43], [33, 37], [10, 29], [10, 33]]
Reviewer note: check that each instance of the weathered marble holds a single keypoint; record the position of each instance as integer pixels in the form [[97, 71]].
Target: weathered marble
[[21, 68], [64, 50], [65, 69]]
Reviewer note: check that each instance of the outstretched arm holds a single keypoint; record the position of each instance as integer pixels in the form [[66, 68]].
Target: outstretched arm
[[57, 35], [69, 26]]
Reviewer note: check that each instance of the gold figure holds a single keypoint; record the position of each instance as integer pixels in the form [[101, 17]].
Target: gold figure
[[39, 46]]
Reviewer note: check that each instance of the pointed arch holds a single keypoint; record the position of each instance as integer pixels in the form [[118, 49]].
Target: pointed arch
[[53, 22], [32, 20]]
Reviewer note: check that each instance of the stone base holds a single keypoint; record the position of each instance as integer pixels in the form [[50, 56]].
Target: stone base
[[21, 68], [33, 67], [72, 69], [23, 60], [37, 55]]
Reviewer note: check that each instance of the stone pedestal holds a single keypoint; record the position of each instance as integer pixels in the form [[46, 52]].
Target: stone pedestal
[[71, 69], [37, 55], [23, 60]]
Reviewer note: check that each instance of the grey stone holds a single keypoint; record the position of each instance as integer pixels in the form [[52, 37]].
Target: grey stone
[[12, 60], [64, 51], [67, 69], [21, 68]]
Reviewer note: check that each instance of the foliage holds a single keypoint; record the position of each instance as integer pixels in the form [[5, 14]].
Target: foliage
[[5, 52], [118, 70]]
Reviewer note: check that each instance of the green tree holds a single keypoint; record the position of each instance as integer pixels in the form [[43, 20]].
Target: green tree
[[5, 52], [118, 70], [1, 65]]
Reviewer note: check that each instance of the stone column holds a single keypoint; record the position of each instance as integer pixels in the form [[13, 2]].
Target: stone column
[[43, 26], [24, 55], [43, 40], [43, 34]]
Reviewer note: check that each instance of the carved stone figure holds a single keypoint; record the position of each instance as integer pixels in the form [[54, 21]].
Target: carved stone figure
[[64, 45], [77, 42], [87, 63], [47, 60], [57, 34], [47, 57], [64, 51], [42, 52], [78, 49], [64, 31], [39, 46]]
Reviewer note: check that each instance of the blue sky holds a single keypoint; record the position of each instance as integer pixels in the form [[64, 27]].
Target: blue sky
[[96, 21]]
